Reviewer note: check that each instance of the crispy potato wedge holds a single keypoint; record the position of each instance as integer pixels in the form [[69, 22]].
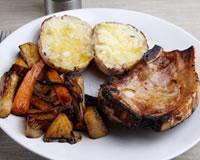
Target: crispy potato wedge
[[61, 130], [19, 61], [61, 91], [23, 96], [8, 85], [29, 52], [95, 125]]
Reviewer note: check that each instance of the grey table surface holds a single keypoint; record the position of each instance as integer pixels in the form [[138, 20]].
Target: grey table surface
[[15, 13]]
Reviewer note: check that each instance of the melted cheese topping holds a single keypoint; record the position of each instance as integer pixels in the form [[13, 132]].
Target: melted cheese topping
[[119, 44], [67, 42]]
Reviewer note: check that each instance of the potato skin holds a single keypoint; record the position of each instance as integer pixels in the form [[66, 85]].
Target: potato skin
[[119, 69], [108, 71]]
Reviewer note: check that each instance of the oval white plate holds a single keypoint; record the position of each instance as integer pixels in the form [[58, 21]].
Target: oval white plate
[[119, 144]]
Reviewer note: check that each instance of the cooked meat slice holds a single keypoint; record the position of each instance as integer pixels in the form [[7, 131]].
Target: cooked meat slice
[[159, 92]]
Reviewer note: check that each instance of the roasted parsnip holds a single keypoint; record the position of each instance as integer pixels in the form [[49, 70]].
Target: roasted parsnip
[[95, 125], [29, 52], [8, 84]]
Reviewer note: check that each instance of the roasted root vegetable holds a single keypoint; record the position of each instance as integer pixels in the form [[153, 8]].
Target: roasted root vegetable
[[43, 115], [20, 66], [23, 96], [8, 85], [19, 61], [46, 93], [61, 91], [77, 90], [21, 71], [61, 130], [95, 125], [40, 104], [29, 52], [33, 128]]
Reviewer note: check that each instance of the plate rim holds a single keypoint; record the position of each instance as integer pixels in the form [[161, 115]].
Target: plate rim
[[175, 154]]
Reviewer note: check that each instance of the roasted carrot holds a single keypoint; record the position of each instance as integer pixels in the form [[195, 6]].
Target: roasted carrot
[[22, 99], [61, 91], [40, 104]]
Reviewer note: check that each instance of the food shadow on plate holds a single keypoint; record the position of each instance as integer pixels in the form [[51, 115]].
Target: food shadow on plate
[[93, 78], [126, 135]]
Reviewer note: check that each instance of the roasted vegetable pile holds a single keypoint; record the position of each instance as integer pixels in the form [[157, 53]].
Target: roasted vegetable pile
[[52, 103]]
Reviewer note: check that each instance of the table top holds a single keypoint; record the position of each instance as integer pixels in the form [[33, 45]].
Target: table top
[[13, 14]]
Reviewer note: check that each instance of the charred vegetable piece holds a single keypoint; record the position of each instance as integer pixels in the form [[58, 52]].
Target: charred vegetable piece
[[19, 61], [41, 89], [61, 130], [29, 52], [40, 104], [8, 84], [43, 116], [20, 70], [61, 91], [90, 100], [33, 128], [77, 90], [33, 111], [46, 93], [23, 96], [95, 125]]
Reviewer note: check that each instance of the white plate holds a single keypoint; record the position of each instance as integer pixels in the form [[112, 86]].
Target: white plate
[[119, 144]]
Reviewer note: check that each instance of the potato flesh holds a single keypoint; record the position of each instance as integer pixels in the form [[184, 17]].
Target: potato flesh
[[66, 42], [118, 44]]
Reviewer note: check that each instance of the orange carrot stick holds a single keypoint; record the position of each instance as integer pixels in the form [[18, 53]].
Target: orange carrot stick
[[61, 91], [23, 96]]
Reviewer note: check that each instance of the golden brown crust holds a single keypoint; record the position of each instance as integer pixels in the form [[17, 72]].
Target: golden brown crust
[[29, 52]]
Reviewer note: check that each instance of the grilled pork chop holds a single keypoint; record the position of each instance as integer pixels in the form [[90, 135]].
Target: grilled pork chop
[[159, 92]]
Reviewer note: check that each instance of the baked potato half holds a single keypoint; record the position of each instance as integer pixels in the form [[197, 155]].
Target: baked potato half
[[117, 47], [65, 43]]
